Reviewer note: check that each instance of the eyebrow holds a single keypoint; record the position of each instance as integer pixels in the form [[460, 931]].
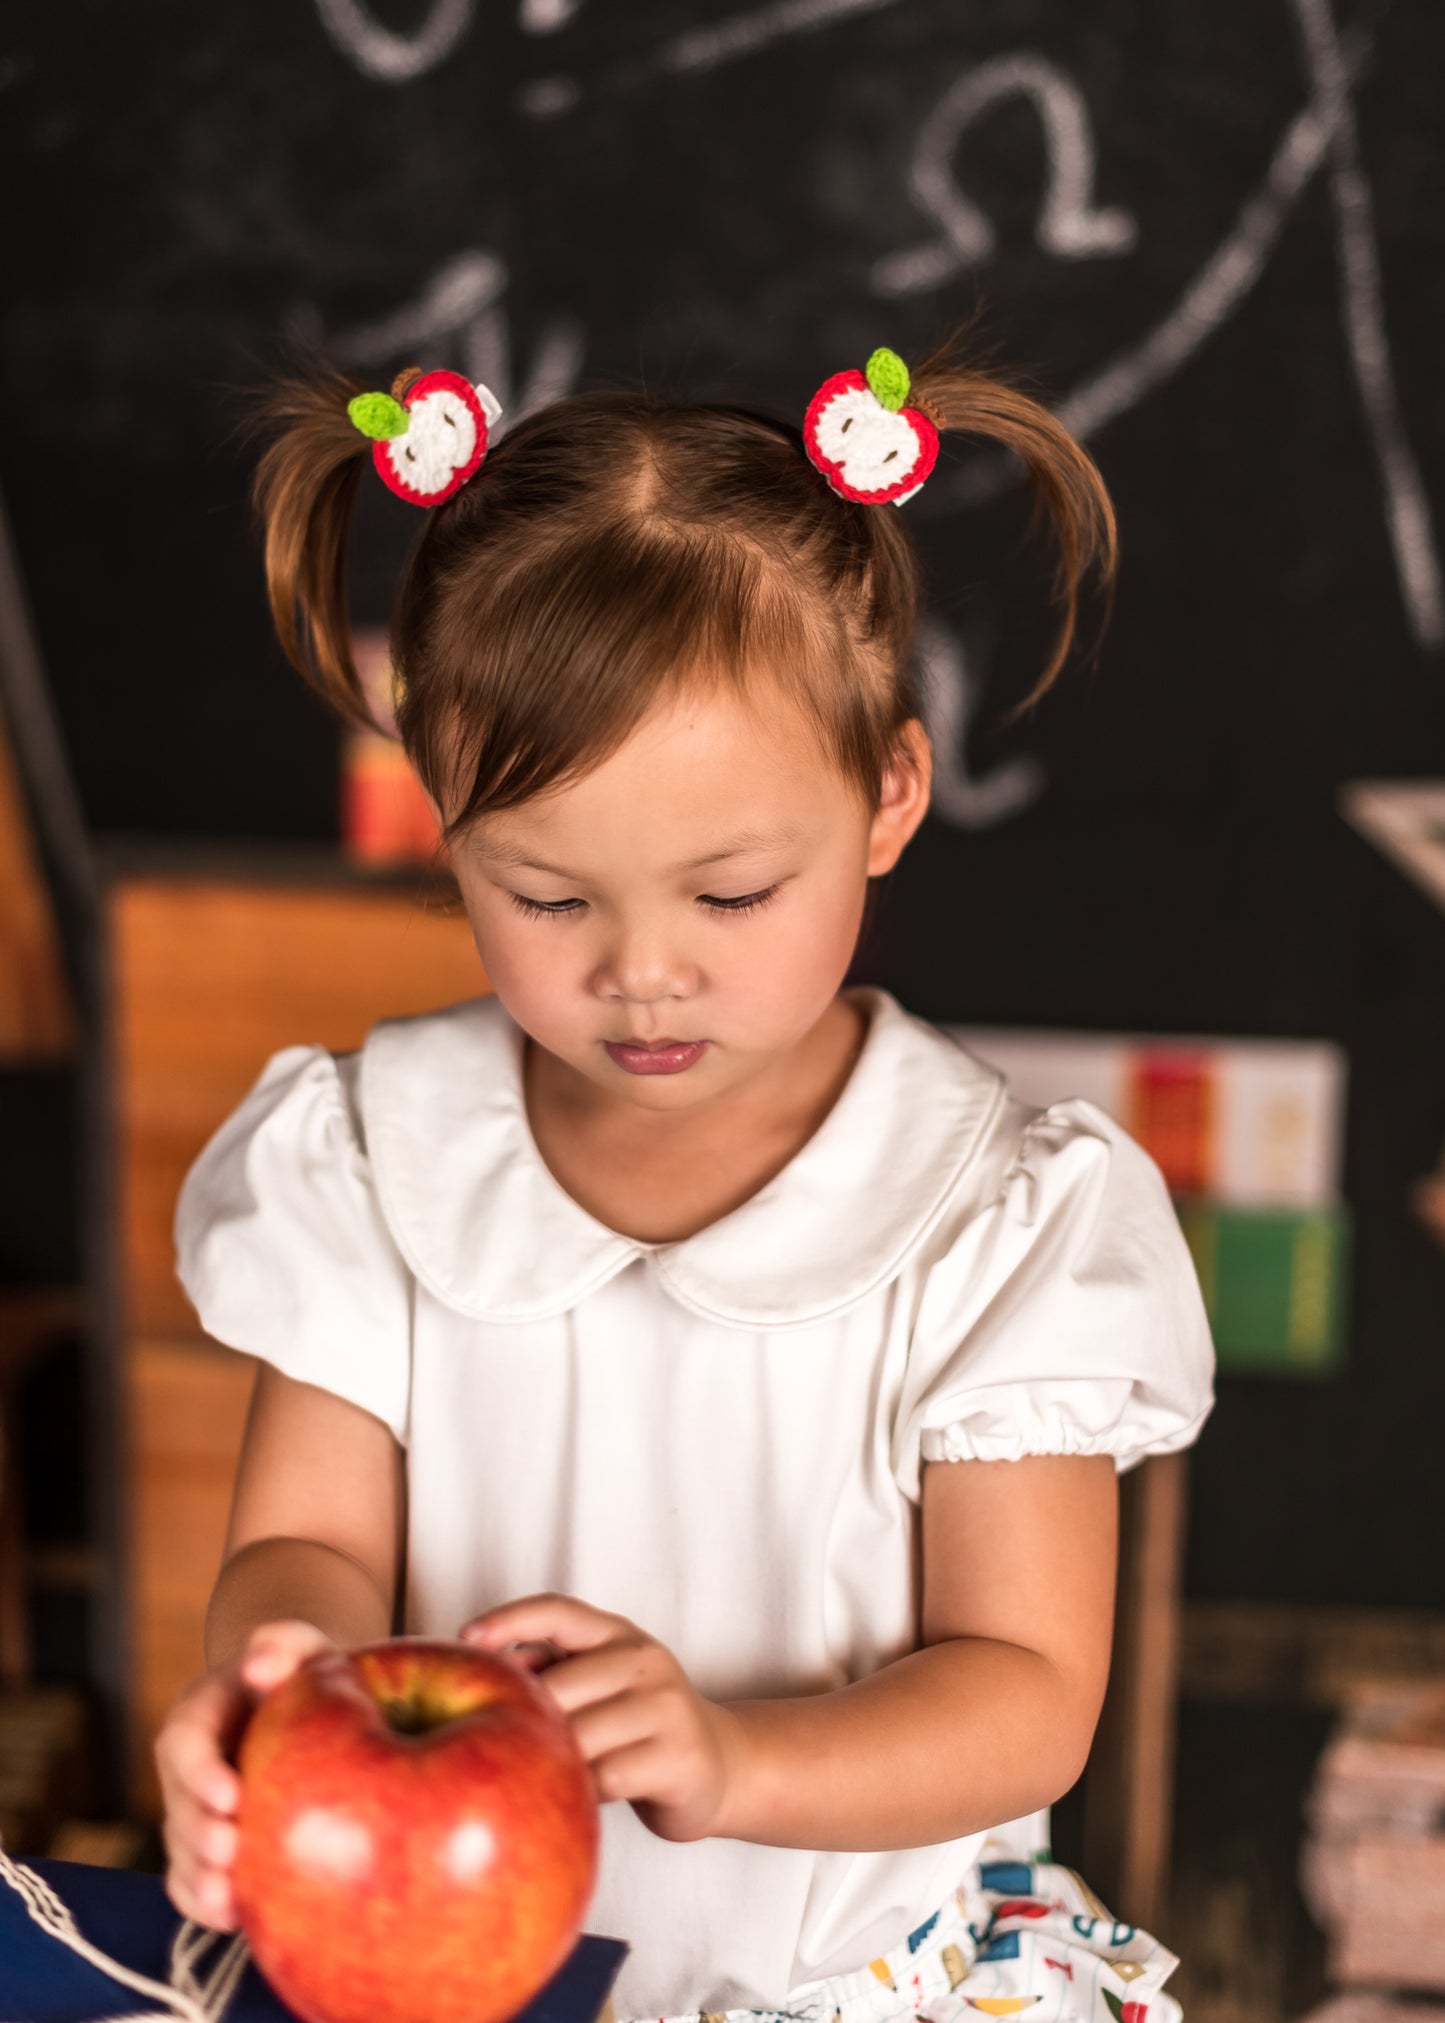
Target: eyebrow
[[734, 846]]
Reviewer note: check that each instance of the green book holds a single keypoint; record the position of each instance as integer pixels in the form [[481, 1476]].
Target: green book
[[1274, 1282]]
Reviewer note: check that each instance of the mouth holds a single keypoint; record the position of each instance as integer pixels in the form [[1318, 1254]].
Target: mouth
[[654, 1057]]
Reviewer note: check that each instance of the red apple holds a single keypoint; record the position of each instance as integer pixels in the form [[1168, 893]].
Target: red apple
[[418, 1836]]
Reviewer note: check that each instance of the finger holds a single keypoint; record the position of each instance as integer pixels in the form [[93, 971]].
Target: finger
[[188, 1749], [274, 1651], [621, 1723], [547, 1618], [538, 1657], [631, 1772], [203, 1894], [194, 1833], [627, 1666]]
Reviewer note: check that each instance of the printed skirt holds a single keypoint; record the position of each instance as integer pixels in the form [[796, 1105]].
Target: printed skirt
[[1017, 1938]]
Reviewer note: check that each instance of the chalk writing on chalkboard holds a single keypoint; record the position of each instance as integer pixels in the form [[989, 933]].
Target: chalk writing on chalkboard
[[1071, 227], [951, 697], [460, 314], [393, 58], [462, 306], [1068, 228], [696, 50], [382, 52]]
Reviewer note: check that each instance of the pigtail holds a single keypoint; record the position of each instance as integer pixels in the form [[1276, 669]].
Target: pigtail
[[305, 488], [1068, 488]]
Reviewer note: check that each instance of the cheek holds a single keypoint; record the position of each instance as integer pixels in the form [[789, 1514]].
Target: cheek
[[529, 959], [530, 964], [544, 997], [796, 963]]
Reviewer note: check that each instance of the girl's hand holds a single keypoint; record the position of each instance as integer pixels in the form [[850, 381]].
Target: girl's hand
[[201, 1790], [648, 1734]]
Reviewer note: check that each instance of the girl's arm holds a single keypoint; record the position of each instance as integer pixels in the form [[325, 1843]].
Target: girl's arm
[[312, 1556], [993, 1716], [988, 1720], [315, 1531]]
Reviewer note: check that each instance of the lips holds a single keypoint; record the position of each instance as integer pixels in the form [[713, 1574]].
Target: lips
[[655, 1057]]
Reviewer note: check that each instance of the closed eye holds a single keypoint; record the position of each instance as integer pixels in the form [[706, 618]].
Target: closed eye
[[747, 902], [536, 908]]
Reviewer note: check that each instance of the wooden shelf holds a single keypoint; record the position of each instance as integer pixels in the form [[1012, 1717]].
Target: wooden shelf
[[215, 959], [121, 856]]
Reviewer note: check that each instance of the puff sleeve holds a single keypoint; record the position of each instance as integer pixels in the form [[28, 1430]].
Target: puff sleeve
[[1064, 1318], [281, 1246]]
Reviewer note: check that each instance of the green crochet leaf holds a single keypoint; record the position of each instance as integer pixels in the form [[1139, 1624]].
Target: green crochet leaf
[[887, 375], [378, 415]]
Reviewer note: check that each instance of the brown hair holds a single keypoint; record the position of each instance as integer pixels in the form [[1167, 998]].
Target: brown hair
[[612, 544]]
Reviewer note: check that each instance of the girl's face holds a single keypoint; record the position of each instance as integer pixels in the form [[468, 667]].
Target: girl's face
[[679, 919]]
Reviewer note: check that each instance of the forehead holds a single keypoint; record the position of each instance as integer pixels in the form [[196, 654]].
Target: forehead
[[708, 764]]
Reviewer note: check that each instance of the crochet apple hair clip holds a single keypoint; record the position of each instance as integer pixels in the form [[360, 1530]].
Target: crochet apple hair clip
[[865, 441], [429, 434]]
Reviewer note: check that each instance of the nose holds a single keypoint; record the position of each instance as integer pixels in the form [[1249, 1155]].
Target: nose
[[641, 967]]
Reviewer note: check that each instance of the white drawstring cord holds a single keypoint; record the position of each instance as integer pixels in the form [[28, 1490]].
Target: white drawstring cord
[[197, 1993]]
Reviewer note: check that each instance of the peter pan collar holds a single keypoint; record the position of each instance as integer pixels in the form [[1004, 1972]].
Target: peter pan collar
[[483, 1224]]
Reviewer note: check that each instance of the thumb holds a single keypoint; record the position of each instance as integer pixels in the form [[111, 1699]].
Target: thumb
[[274, 1651]]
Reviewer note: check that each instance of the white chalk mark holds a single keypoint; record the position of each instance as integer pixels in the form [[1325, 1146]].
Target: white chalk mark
[[1324, 128], [1407, 509], [1069, 226], [382, 53], [950, 703], [1229, 273], [556, 368], [545, 17], [460, 291], [706, 48], [702, 49], [460, 313]]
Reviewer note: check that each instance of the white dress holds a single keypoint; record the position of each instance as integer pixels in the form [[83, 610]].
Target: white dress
[[719, 1438]]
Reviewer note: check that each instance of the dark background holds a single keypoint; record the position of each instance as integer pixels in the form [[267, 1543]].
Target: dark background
[[703, 210]]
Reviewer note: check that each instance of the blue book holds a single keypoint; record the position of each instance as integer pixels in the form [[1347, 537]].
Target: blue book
[[130, 1921]]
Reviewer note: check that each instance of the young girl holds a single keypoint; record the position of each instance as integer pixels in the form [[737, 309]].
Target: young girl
[[726, 1344]]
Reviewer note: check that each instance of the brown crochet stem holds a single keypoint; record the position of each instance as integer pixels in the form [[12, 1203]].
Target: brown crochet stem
[[926, 408], [404, 382]]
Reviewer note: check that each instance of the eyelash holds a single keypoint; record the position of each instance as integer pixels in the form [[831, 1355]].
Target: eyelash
[[750, 902]]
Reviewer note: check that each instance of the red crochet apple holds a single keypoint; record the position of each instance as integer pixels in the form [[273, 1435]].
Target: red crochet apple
[[865, 441], [430, 441]]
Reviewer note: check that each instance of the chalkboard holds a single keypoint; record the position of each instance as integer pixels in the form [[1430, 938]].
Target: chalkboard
[[1211, 234]]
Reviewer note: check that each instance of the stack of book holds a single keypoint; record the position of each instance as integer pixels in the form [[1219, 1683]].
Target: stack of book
[[1248, 1137], [1373, 1862]]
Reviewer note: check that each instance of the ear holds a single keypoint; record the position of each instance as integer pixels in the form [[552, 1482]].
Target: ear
[[903, 801]]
